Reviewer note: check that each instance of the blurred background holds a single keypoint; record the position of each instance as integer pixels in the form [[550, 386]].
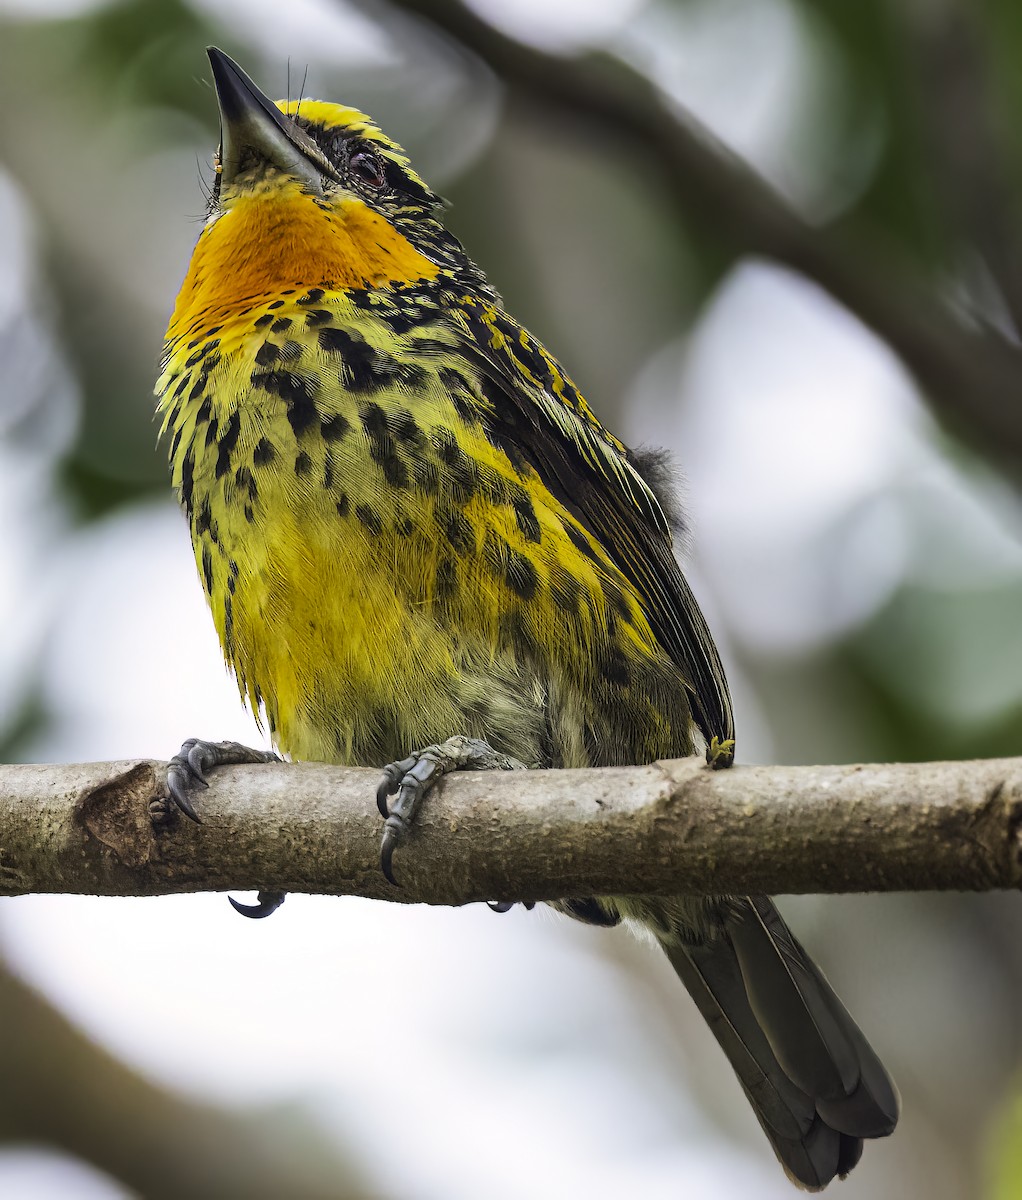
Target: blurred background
[[860, 562]]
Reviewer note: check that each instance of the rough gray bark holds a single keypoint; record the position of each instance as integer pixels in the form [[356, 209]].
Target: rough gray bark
[[665, 828]]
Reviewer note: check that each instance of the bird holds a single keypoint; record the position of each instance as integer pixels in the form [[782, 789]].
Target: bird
[[423, 552]]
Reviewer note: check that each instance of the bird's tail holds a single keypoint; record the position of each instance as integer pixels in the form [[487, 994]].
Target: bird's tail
[[813, 1080]]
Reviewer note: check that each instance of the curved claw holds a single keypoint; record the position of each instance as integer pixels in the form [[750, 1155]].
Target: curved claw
[[177, 786], [393, 773], [503, 906], [392, 831], [388, 786], [266, 904]]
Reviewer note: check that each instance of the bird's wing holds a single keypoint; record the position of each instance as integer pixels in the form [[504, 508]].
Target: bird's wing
[[536, 416]]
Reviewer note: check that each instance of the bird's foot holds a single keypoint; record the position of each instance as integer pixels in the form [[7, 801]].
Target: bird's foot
[[503, 906], [720, 754], [187, 771], [411, 778]]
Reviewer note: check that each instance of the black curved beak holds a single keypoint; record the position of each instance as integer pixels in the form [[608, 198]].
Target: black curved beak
[[252, 126]]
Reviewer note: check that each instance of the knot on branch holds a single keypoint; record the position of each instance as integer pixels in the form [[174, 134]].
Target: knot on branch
[[116, 813]]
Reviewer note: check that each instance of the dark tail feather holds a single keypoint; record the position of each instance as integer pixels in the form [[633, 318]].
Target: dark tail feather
[[813, 1080]]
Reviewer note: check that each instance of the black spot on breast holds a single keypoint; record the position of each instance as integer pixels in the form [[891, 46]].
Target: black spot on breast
[[203, 518], [303, 464], [369, 518], [461, 471], [267, 354], [405, 527], [198, 388], [249, 513], [328, 471], [187, 477], [446, 579], [264, 452], [427, 475], [228, 440], [296, 391], [399, 321], [565, 590], [428, 346], [318, 316], [459, 532], [276, 304], [244, 481], [366, 369], [175, 441], [263, 321], [453, 380], [281, 324], [495, 487], [312, 296], [343, 505], [207, 568], [525, 515], [521, 575], [334, 428], [406, 428], [192, 359], [203, 411], [616, 670], [382, 446], [356, 354]]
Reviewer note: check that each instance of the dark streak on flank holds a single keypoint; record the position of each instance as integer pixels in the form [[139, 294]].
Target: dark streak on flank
[[459, 532], [525, 515], [565, 590], [521, 575], [228, 440], [369, 518], [446, 579]]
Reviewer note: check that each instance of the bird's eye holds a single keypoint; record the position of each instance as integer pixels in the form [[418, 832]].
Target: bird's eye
[[369, 168]]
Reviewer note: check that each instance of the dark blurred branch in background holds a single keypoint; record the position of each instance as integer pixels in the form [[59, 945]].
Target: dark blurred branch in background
[[61, 1089], [670, 827], [944, 40], [971, 373]]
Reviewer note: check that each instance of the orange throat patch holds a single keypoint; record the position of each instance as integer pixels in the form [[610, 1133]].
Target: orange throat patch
[[267, 242]]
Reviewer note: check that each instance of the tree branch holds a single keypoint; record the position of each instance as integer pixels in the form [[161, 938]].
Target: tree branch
[[670, 827], [64, 1090], [972, 375]]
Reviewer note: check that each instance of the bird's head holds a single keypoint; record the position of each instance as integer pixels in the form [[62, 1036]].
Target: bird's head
[[310, 194]]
